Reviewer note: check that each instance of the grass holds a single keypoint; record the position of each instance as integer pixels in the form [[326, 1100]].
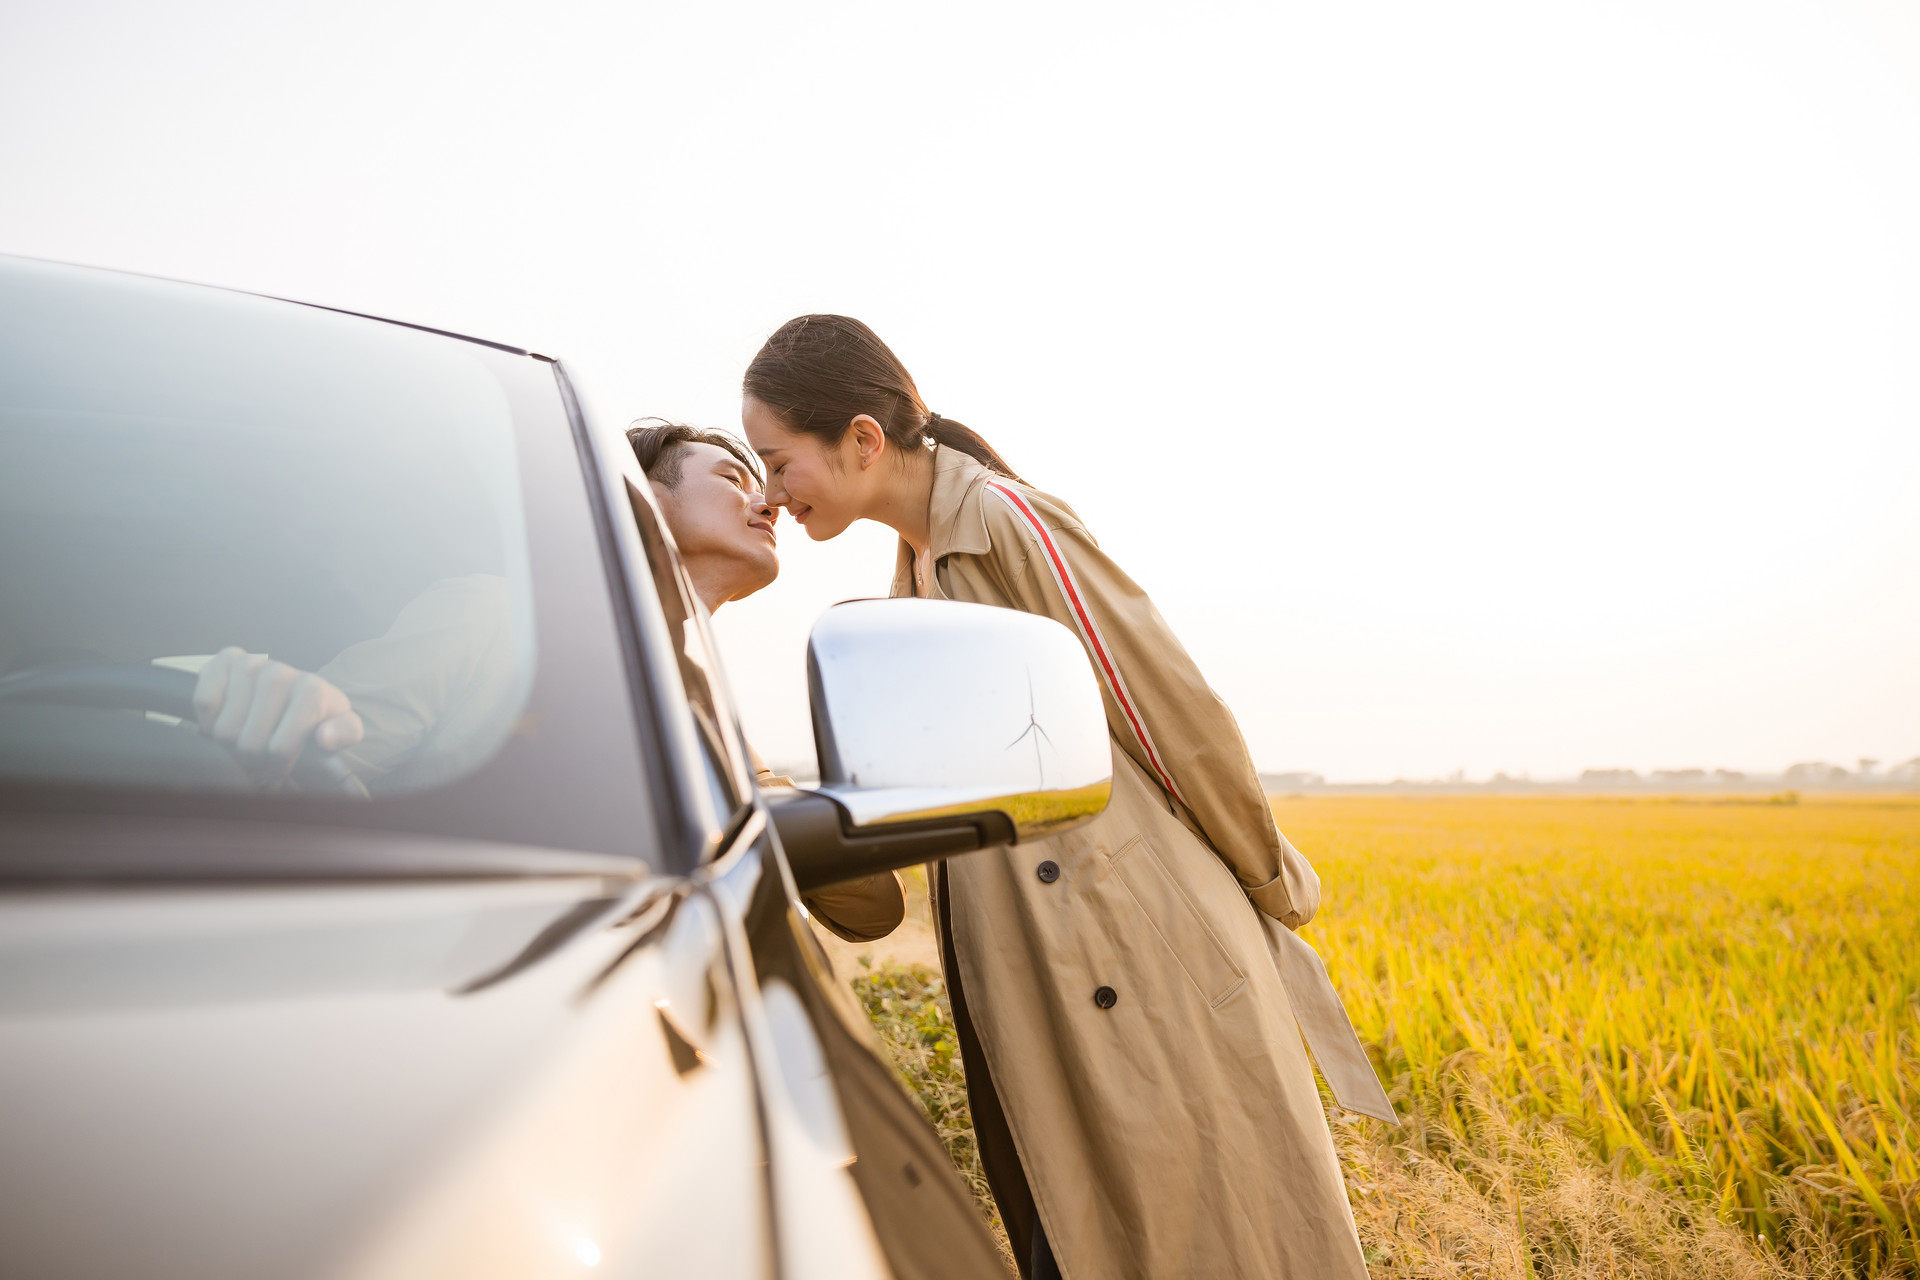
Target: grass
[[1631, 1037], [909, 1008]]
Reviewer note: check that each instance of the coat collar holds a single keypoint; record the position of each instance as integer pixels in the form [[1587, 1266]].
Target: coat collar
[[956, 524]]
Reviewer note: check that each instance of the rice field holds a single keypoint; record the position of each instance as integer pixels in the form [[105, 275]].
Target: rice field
[[1631, 1037]]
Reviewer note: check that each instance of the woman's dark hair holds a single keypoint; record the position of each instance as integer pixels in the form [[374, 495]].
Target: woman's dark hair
[[819, 373]]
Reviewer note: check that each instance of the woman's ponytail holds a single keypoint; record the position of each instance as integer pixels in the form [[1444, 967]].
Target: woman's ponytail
[[819, 373], [957, 435]]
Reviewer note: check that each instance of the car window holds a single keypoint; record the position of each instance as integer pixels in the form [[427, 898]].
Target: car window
[[725, 768], [335, 496]]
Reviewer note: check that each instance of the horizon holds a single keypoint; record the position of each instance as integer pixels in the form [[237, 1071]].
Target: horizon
[[1808, 775]]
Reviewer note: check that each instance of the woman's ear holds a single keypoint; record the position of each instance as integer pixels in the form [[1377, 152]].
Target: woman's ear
[[869, 440]]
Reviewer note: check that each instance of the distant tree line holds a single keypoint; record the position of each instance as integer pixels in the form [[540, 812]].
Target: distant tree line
[[1812, 775]]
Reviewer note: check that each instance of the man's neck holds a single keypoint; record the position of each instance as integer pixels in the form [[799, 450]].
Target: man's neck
[[712, 583]]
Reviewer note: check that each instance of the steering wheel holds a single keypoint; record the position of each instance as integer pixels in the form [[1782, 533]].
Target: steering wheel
[[128, 687]]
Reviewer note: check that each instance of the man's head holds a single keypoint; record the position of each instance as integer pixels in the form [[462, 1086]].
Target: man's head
[[708, 486]]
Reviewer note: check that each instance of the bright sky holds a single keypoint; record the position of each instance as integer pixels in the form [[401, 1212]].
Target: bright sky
[[1513, 386]]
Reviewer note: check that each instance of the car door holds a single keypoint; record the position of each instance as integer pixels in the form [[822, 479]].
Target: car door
[[859, 1183]]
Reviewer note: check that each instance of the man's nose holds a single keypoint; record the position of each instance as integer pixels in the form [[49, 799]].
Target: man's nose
[[761, 507]]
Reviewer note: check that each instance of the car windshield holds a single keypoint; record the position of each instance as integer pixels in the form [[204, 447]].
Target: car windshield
[[189, 472]]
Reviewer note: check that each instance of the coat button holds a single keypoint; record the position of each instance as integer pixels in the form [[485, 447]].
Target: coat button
[[1106, 997], [1048, 871]]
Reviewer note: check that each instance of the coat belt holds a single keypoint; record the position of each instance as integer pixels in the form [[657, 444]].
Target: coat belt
[[1325, 1026]]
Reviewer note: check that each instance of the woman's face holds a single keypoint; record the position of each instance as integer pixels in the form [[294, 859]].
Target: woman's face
[[819, 484]]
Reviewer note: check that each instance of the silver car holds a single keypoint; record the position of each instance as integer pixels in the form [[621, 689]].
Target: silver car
[[518, 985]]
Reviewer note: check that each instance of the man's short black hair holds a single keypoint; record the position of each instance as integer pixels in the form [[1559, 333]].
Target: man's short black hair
[[661, 447]]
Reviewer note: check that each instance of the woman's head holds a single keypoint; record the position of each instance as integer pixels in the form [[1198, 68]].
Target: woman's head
[[825, 402]]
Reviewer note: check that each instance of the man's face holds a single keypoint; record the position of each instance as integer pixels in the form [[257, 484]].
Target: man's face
[[722, 524]]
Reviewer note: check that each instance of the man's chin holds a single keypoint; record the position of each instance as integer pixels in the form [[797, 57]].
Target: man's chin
[[765, 571]]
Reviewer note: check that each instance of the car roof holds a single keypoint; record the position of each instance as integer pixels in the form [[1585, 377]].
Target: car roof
[[274, 297]]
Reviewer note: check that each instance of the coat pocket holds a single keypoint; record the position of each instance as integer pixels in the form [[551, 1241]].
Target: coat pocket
[[1173, 917]]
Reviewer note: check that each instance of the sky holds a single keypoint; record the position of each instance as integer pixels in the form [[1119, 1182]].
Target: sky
[[1490, 386]]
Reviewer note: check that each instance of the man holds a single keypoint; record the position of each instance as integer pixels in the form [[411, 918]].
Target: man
[[709, 489], [434, 696]]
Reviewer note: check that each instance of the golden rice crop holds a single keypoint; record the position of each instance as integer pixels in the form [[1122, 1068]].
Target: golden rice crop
[[1674, 1039], [1715, 1000]]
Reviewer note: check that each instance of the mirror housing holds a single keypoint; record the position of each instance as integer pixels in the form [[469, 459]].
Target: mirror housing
[[942, 727]]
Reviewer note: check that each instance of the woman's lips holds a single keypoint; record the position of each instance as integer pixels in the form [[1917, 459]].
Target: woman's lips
[[799, 513]]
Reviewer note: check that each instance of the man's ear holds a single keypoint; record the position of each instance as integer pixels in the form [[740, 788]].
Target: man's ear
[[869, 440]]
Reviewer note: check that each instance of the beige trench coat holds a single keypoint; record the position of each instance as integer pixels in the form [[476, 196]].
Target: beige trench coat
[[1174, 1130]]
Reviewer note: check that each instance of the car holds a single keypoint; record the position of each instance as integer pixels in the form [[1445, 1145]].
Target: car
[[521, 984]]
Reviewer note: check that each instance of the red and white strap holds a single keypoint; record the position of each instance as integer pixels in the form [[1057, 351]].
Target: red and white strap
[[1096, 643]]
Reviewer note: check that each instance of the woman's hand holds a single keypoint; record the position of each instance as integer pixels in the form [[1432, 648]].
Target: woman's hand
[[267, 711]]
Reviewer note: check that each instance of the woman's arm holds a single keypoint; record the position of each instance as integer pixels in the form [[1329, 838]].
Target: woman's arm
[[1159, 707], [863, 910]]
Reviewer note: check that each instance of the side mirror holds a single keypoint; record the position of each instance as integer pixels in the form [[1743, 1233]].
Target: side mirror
[[941, 728]]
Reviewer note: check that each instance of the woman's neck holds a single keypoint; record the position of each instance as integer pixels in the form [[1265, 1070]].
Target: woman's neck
[[905, 502]]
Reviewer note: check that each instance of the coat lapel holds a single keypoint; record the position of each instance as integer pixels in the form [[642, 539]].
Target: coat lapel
[[955, 522]]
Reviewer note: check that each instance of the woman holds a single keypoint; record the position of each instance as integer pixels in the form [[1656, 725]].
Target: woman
[[1142, 1101]]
